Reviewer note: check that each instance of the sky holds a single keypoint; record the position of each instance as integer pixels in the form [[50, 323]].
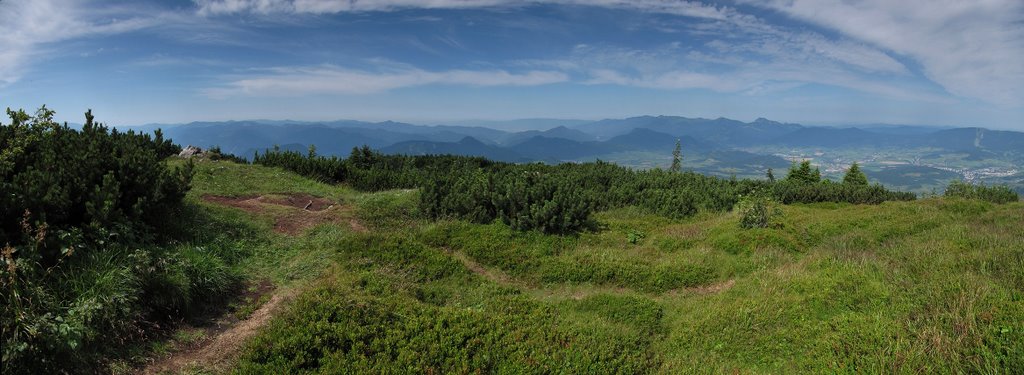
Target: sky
[[815, 62]]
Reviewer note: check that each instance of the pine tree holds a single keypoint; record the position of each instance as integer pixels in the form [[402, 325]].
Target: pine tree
[[771, 175], [677, 158], [854, 176], [803, 173]]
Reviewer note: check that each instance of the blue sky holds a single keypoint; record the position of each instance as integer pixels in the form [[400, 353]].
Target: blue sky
[[939, 62]]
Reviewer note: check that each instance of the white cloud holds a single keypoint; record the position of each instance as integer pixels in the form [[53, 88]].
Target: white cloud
[[971, 48], [742, 36], [741, 66], [31, 25], [338, 80], [683, 8], [213, 7]]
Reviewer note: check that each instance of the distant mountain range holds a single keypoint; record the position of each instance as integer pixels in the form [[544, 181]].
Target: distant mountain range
[[720, 146]]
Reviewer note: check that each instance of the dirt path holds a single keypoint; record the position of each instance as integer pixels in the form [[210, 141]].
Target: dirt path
[[292, 215], [217, 352]]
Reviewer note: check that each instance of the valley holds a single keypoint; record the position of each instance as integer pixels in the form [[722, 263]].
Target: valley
[[914, 158]]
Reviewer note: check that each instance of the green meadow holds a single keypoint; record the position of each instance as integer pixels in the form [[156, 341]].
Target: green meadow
[[927, 286]]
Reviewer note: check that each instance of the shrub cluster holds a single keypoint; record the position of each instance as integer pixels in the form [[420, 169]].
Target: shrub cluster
[[995, 194], [91, 185], [83, 216], [805, 185], [560, 198], [758, 210], [789, 192], [528, 197], [323, 169]]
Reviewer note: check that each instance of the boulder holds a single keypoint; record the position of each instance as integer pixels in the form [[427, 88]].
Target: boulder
[[190, 151]]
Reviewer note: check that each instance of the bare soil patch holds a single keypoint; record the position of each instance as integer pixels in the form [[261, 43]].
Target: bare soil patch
[[292, 213], [223, 338], [304, 201]]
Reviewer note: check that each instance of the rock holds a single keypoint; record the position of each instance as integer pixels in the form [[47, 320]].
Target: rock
[[190, 151]]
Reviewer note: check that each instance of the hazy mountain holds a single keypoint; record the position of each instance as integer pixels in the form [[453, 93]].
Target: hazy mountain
[[538, 124], [241, 138], [559, 149], [487, 135], [331, 138], [646, 139], [720, 131], [977, 138], [559, 132], [898, 129]]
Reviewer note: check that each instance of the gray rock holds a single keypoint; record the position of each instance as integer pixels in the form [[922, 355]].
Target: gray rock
[[190, 151]]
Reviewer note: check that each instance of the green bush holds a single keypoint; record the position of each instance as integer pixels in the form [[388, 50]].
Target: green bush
[[758, 210], [634, 236], [94, 185], [316, 167], [997, 194], [91, 224], [854, 176], [336, 329]]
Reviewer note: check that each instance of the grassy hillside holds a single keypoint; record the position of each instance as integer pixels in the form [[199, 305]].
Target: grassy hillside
[[934, 286]]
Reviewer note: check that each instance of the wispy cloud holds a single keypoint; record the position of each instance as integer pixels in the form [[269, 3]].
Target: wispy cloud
[[734, 62], [739, 66], [679, 7], [330, 79], [971, 48], [214, 7], [30, 26]]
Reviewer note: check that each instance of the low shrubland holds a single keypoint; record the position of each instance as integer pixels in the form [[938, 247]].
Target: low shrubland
[[560, 198], [929, 286], [996, 194]]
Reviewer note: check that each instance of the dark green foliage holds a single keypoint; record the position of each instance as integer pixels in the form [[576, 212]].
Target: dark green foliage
[[95, 185], [996, 194], [803, 173], [854, 176], [324, 169], [90, 221], [788, 192], [677, 158], [525, 197]]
